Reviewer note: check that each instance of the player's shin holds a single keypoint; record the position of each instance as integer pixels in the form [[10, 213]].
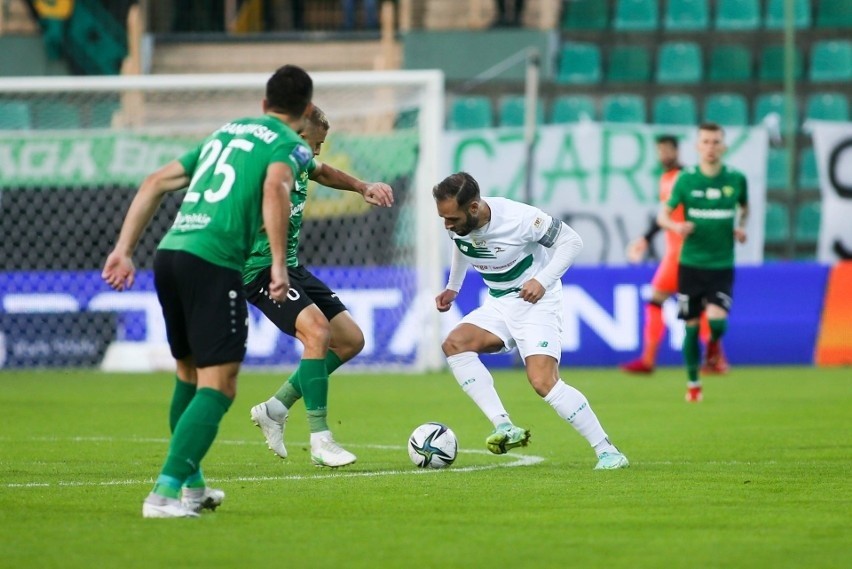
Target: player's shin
[[691, 353], [475, 379], [314, 380], [573, 406]]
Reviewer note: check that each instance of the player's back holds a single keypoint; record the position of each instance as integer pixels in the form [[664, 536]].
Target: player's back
[[222, 210]]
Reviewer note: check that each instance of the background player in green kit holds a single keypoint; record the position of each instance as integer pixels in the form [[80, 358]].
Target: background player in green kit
[[239, 178], [711, 194], [312, 313]]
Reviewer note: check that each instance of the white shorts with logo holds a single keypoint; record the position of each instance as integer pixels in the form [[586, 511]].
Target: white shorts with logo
[[532, 328]]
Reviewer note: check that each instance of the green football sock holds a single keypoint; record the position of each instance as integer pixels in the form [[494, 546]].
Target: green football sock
[[718, 327], [332, 362], [290, 392], [691, 352], [194, 433], [183, 394], [314, 379]]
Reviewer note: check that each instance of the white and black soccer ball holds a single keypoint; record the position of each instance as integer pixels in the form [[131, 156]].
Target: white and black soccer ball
[[433, 445]]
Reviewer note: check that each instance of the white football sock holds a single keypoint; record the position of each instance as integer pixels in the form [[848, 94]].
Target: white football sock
[[477, 382], [573, 406], [276, 410]]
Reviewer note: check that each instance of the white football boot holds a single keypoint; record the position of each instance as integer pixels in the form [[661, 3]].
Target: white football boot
[[272, 430], [156, 506], [197, 499], [326, 452]]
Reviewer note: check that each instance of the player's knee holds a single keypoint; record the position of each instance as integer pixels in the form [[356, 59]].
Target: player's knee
[[452, 346], [542, 384], [317, 334], [350, 345]]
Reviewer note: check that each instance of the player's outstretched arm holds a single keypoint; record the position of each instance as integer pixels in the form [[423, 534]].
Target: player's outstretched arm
[[276, 215], [374, 193], [119, 272]]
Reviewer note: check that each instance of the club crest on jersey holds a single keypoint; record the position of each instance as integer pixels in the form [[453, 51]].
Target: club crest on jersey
[[471, 250], [301, 155], [479, 243], [728, 191]]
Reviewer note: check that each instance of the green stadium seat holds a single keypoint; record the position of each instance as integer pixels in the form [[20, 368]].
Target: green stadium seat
[[15, 115], [775, 14], [727, 109], [512, 111], [776, 170], [808, 174], [675, 110], [624, 108], [833, 14], [635, 15], [828, 107], [808, 217], [579, 63], [770, 103], [585, 15], [776, 223], [679, 62], [686, 15], [831, 61], [101, 113], [55, 115], [730, 64], [471, 112], [629, 64], [737, 15], [572, 108], [772, 64]]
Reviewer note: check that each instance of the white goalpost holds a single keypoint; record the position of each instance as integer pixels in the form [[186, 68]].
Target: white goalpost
[[74, 149]]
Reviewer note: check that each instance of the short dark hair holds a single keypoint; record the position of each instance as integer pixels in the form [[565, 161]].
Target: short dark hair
[[318, 118], [711, 126], [289, 91], [667, 139], [460, 186]]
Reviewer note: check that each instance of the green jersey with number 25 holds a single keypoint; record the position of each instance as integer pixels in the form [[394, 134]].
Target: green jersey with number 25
[[221, 213]]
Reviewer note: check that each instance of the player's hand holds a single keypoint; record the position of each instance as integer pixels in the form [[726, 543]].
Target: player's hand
[[444, 301], [684, 228], [379, 194], [532, 291], [636, 250], [119, 272], [279, 283], [740, 234]]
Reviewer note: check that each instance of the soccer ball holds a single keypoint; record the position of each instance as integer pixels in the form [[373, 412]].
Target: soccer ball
[[432, 445]]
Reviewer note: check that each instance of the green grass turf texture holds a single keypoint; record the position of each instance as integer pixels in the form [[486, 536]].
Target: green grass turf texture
[[758, 475]]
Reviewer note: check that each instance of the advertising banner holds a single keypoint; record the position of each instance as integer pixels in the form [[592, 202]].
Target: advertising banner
[[833, 149], [602, 179]]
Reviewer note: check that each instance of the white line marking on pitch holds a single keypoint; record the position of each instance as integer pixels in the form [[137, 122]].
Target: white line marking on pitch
[[519, 460]]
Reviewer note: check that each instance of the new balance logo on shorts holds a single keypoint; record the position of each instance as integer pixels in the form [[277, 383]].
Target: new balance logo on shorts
[[542, 344]]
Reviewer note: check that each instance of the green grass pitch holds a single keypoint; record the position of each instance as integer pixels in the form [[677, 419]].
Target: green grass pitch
[[758, 475]]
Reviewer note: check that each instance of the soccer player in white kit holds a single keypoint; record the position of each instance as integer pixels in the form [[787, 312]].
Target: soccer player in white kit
[[521, 253]]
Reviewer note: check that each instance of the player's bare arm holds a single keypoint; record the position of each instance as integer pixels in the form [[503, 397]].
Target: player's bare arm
[[740, 230], [119, 272], [276, 215], [664, 220], [374, 193]]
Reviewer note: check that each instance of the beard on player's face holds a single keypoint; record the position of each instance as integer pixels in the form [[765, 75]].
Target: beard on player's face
[[469, 224]]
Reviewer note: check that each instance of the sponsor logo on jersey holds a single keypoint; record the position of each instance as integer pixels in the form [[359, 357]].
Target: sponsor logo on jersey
[[190, 221], [296, 209], [472, 250], [713, 193], [698, 193], [710, 213], [301, 155]]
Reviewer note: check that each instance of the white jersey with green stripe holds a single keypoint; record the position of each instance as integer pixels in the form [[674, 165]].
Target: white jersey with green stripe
[[512, 247]]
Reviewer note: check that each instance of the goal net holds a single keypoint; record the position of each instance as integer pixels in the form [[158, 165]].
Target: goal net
[[73, 151]]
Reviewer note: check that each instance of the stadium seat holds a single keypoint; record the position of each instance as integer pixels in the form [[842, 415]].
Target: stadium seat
[[512, 111], [828, 107], [470, 112], [572, 108], [579, 63], [101, 113], [585, 15], [15, 115], [728, 109], [831, 61], [775, 14], [776, 223], [675, 110], [808, 216], [770, 103], [738, 15], [730, 64], [686, 15], [629, 64], [624, 109], [55, 115], [833, 14], [772, 64], [808, 174], [679, 62], [635, 15], [776, 170]]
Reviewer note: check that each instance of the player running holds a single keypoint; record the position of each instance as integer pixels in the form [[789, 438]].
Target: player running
[[313, 314], [521, 254]]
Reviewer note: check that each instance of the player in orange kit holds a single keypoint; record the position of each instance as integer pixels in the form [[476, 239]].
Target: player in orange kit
[[664, 283]]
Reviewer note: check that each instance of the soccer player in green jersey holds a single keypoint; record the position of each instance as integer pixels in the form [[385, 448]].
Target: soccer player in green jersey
[[313, 313], [238, 179], [712, 195]]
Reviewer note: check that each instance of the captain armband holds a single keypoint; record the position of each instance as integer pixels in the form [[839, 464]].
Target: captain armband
[[549, 237]]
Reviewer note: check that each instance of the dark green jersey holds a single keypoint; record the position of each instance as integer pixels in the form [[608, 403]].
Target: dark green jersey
[[221, 213], [711, 204], [261, 255]]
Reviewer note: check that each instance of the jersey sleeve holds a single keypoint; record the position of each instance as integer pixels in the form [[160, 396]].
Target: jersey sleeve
[[190, 160], [675, 199], [297, 156], [537, 226], [744, 193]]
